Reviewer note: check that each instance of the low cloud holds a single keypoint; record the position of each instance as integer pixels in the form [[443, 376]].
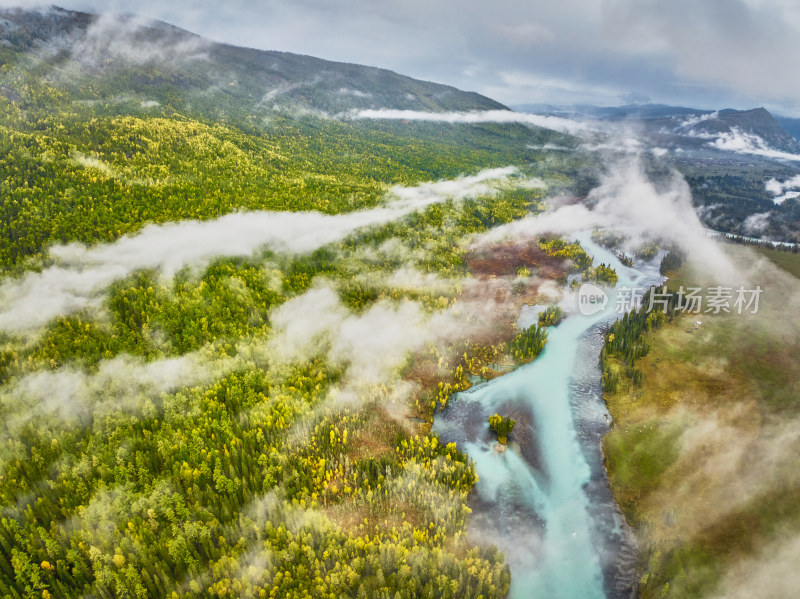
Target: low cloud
[[411, 279], [93, 162], [783, 190], [741, 142], [552, 147], [482, 116], [771, 573], [756, 224], [346, 91], [82, 274], [725, 466], [135, 40], [691, 121], [565, 220], [616, 144], [628, 199], [372, 345], [123, 383]]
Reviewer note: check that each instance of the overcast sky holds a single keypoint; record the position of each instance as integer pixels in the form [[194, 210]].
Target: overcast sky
[[703, 53]]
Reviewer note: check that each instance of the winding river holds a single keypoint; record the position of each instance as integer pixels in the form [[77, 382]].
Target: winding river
[[546, 501]]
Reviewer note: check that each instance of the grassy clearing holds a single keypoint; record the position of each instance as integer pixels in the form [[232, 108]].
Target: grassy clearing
[[788, 261], [701, 454]]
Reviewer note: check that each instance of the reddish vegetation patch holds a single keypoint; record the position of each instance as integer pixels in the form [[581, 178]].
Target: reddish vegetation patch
[[504, 259], [493, 297], [425, 372], [370, 519], [500, 299], [375, 438]]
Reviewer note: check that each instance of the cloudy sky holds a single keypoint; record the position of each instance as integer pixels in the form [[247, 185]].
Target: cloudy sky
[[704, 53]]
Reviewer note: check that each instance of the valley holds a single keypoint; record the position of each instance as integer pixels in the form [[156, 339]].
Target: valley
[[257, 309]]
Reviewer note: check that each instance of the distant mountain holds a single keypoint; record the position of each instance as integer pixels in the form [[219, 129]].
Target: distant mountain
[[722, 129], [690, 128], [791, 125], [756, 122], [613, 113], [646, 111], [123, 59]]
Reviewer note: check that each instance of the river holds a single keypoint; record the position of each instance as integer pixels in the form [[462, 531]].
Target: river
[[546, 501]]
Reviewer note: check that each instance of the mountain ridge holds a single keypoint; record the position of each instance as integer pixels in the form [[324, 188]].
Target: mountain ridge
[[83, 45], [691, 128]]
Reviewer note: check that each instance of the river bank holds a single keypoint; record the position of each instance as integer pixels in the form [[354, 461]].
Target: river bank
[[546, 501], [702, 455]]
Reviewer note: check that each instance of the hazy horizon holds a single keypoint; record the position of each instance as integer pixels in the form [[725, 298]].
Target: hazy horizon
[[709, 54]]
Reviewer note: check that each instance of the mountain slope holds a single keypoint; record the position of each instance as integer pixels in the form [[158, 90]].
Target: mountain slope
[[758, 122], [690, 129], [236, 469], [131, 122], [74, 49], [791, 125], [686, 127]]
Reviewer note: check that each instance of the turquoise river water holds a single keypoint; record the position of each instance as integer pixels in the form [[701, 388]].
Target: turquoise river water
[[545, 501]]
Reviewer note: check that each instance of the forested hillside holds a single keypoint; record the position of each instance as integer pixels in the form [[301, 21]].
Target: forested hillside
[[249, 424]]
